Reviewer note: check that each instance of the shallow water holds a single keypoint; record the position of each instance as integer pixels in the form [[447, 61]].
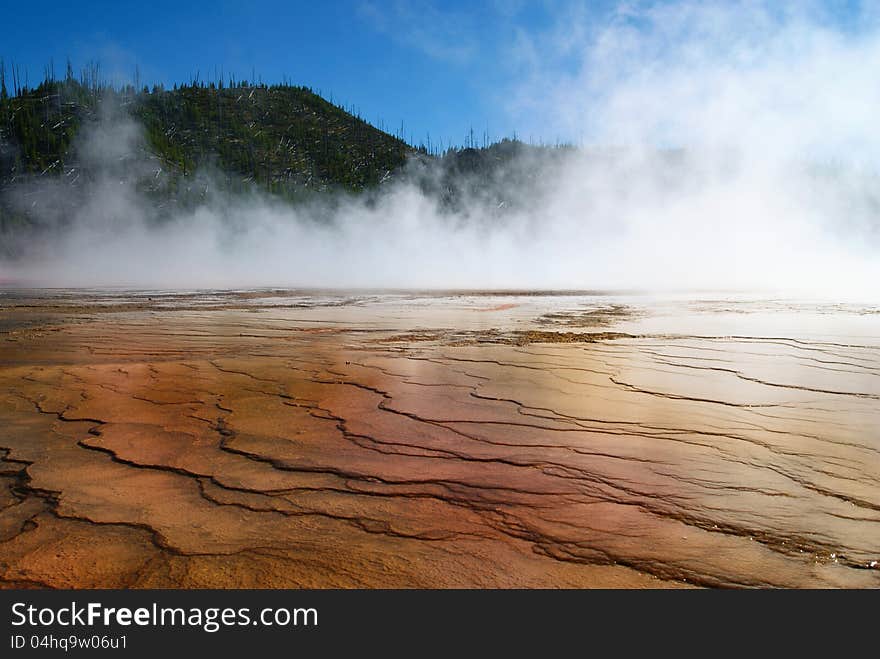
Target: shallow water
[[282, 438]]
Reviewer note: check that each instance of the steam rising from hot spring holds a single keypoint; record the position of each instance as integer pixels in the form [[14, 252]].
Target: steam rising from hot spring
[[726, 146]]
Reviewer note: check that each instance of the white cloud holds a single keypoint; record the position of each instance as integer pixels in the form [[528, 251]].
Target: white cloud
[[780, 78]]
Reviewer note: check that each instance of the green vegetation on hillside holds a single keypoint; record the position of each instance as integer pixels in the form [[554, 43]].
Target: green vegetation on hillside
[[277, 136], [179, 146]]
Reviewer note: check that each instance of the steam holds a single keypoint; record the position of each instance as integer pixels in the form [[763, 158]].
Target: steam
[[726, 146]]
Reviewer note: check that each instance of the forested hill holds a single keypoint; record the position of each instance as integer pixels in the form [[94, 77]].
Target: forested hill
[[277, 137], [66, 142]]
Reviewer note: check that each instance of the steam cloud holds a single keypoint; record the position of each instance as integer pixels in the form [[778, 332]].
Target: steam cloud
[[727, 146]]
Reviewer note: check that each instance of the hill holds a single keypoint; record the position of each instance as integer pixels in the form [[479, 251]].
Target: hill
[[277, 136], [65, 141]]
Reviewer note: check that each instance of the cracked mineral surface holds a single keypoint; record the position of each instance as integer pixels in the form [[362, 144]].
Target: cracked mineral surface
[[326, 439]]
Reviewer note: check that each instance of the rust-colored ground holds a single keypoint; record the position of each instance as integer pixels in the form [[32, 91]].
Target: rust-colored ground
[[378, 441]]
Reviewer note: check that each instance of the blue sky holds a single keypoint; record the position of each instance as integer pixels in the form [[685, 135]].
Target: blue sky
[[440, 68]]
